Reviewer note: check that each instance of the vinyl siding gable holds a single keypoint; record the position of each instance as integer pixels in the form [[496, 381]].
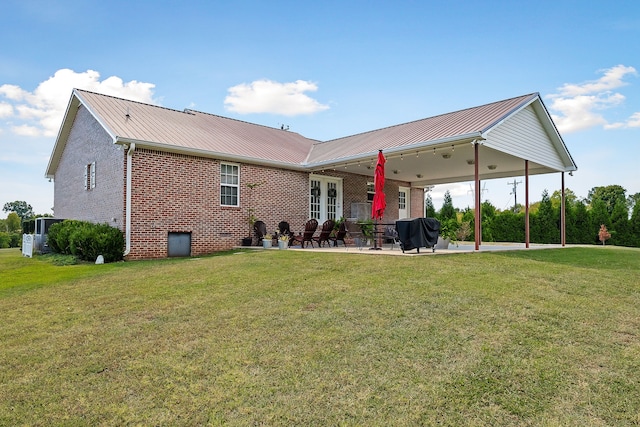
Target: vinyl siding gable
[[515, 135]]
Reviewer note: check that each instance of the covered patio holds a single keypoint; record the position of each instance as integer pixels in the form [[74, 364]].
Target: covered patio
[[511, 138]]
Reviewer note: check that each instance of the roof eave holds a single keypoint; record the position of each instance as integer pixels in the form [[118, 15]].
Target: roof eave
[[209, 154], [396, 151]]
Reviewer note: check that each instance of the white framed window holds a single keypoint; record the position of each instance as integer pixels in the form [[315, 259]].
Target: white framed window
[[229, 184], [90, 176], [371, 190]]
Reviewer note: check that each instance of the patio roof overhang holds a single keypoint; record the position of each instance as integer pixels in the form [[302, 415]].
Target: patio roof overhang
[[439, 162], [524, 133]]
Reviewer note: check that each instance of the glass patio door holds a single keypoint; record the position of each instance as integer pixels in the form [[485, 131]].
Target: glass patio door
[[325, 198]]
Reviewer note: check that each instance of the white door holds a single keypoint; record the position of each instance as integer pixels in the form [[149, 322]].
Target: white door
[[325, 198], [404, 202]]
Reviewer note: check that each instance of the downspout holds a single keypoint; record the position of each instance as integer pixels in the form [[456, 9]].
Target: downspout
[[127, 214]]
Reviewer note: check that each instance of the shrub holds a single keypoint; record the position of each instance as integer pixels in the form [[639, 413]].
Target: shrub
[[5, 240], [86, 240]]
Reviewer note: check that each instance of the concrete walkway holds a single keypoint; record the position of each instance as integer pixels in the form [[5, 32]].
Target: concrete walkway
[[388, 249]]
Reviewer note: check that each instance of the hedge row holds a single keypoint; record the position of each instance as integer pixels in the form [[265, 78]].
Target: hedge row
[[10, 240], [86, 240]]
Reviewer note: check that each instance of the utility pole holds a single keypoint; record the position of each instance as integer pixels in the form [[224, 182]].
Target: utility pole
[[515, 195]]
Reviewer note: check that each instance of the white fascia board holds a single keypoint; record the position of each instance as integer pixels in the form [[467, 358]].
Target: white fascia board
[[395, 151], [63, 133], [96, 116]]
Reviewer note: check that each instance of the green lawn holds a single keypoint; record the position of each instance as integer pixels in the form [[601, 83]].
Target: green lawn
[[539, 337]]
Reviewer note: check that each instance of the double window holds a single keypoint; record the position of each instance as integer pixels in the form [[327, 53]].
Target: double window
[[229, 184]]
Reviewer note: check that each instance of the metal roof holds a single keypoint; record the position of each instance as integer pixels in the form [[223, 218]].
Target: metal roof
[[445, 127], [504, 127], [194, 131]]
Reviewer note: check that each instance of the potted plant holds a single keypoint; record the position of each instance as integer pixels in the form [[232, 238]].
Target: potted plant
[[447, 234], [251, 217], [266, 241], [367, 228], [283, 241]]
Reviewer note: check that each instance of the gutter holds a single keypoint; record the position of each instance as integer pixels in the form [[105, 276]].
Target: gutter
[[127, 220]]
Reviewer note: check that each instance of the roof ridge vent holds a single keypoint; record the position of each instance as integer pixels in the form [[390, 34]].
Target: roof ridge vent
[[188, 111]]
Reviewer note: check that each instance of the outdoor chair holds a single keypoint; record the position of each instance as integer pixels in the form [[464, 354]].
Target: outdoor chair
[[307, 236], [355, 232], [284, 229], [391, 236], [340, 234], [260, 229], [325, 233]]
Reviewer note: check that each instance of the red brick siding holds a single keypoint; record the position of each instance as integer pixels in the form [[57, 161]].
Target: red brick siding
[[180, 193], [355, 191]]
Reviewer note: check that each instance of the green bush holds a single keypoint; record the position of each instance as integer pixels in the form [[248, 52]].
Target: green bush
[[5, 240], [15, 240], [86, 240]]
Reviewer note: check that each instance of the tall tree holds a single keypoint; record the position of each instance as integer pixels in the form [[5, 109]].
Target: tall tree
[[13, 222], [598, 215], [447, 211], [610, 195], [23, 209], [430, 210], [578, 225], [569, 197], [544, 226], [488, 213], [621, 233], [634, 225]]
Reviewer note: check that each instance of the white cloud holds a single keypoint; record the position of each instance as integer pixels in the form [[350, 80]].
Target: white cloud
[[634, 120], [39, 113], [580, 106], [6, 109], [612, 79], [266, 96]]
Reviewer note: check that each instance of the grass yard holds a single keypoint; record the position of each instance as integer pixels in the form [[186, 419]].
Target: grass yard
[[540, 337]]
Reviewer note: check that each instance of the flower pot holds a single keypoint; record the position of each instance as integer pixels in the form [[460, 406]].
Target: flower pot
[[246, 241], [283, 245], [266, 243], [442, 243]]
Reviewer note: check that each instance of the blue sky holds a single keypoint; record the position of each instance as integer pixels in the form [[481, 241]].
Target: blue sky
[[328, 69]]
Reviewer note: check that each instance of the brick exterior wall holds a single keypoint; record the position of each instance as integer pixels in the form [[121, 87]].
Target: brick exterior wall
[[355, 191], [181, 193], [88, 142]]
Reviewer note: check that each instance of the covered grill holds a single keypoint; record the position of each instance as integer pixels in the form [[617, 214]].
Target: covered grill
[[415, 233]]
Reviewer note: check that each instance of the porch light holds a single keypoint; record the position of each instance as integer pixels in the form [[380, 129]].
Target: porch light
[[492, 167], [419, 175], [471, 162], [446, 155]]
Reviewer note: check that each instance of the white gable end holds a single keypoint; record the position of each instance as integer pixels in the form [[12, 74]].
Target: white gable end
[[517, 134]]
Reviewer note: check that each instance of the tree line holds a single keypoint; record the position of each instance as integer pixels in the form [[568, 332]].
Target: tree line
[[608, 206]]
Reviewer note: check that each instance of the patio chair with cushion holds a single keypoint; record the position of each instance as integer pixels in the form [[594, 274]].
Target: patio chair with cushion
[[307, 236], [325, 233], [260, 229]]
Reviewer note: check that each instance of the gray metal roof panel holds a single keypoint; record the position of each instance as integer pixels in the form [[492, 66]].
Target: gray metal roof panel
[[196, 130], [441, 127]]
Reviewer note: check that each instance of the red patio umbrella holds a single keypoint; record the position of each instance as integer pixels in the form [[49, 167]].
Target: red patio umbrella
[[379, 200]]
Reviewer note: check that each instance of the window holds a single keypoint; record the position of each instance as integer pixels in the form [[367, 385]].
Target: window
[[90, 176], [402, 200], [229, 184], [371, 190]]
